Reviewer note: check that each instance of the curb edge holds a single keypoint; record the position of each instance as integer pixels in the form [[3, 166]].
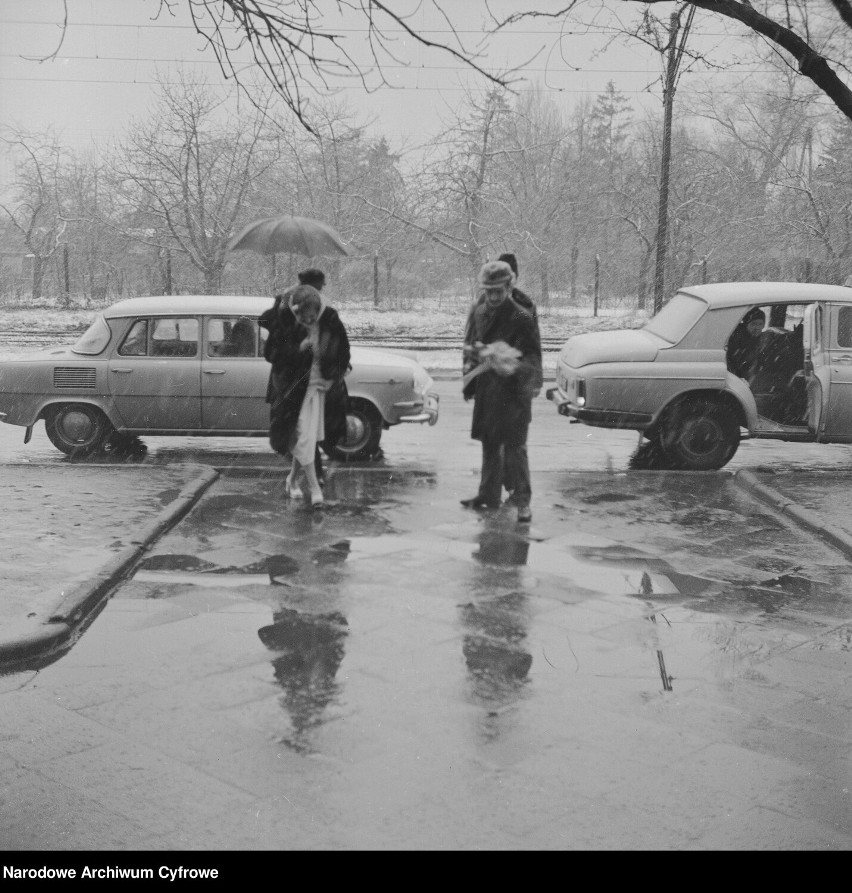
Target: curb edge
[[805, 518], [39, 637]]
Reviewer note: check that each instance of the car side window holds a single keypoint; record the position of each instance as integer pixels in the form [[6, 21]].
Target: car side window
[[232, 336], [174, 337], [844, 327], [135, 343]]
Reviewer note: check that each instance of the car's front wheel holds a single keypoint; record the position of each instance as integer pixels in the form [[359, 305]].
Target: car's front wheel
[[77, 429], [700, 434], [363, 433]]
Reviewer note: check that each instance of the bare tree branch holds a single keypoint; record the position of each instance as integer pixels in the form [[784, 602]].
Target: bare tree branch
[[780, 31], [63, 29]]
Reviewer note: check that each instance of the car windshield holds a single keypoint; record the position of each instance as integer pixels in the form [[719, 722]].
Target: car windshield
[[94, 339], [676, 318]]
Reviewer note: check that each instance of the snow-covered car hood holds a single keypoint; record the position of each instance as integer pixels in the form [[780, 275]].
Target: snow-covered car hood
[[620, 346]]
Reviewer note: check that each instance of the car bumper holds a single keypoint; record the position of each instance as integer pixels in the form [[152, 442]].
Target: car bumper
[[427, 412], [599, 418]]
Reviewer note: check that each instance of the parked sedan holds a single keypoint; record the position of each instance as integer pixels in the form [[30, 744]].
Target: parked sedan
[[190, 365], [670, 379]]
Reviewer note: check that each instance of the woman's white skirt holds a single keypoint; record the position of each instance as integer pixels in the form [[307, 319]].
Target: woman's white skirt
[[310, 428]]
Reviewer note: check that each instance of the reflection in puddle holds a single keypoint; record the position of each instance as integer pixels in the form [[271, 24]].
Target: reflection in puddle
[[336, 553], [310, 649], [493, 648], [497, 548], [661, 660], [496, 628]]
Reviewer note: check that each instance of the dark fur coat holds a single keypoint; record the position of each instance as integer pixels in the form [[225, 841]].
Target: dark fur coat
[[291, 370]]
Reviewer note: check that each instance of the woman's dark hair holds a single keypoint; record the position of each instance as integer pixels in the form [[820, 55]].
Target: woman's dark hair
[[312, 276], [754, 313]]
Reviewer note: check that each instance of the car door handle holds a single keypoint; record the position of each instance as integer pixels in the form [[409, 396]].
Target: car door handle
[[121, 369], [214, 371], [843, 358]]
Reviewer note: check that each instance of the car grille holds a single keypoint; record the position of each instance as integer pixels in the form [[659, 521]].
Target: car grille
[[73, 377]]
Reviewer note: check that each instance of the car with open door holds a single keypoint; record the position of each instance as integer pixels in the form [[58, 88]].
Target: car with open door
[[670, 379]]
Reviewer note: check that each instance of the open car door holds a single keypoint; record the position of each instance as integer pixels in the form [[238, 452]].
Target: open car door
[[816, 366]]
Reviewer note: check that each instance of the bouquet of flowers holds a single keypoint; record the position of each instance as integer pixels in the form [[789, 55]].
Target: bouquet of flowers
[[498, 356]]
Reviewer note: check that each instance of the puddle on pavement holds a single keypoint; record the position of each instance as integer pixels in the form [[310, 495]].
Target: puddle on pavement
[[608, 497], [190, 570], [336, 553], [589, 565]]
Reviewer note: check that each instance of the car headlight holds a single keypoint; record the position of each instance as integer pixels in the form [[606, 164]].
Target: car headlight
[[422, 382], [581, 392]]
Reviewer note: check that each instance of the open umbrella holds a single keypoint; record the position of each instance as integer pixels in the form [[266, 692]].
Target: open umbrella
[[291, 235]]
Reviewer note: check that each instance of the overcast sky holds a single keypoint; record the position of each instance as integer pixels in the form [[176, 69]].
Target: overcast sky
[[105, 71]]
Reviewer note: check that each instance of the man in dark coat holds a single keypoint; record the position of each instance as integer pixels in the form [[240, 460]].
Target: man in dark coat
[[291, 368], [523, 300], [502, 366]]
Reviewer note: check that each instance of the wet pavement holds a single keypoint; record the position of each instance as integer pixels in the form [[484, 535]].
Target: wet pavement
[[660, 661]]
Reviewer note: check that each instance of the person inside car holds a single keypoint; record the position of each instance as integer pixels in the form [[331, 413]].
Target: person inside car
[[744, 343]]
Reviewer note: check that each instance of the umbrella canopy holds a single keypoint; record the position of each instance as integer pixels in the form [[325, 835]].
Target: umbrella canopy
[[290, 235]]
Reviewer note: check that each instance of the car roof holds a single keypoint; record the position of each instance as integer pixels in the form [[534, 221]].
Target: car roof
[[732, 294], [174, 305]]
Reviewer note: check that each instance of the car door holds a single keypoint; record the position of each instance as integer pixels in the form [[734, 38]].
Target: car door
[[234, 376], [837, 422], [817, 372], [155, 376]]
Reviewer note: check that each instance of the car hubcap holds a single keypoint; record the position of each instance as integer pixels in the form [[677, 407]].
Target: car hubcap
[[702, 438], [355, 430], [76, 427]]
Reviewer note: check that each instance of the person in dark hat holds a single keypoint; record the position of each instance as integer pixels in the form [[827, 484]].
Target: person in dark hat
[[744, 343], [523, 300], [501, 364], [312, 276]]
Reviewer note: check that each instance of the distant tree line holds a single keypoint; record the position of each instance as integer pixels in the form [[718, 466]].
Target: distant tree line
[[761, 188]]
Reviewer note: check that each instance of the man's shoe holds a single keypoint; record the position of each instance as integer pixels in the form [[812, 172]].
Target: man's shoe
[[524, 515], [477, 502]]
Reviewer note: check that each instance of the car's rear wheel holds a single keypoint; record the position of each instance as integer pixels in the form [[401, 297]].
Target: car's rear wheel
[[700, 434], [77, 429], [363, 433]]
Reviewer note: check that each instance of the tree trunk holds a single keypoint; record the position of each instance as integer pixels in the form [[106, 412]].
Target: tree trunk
[[575, 253], [644, 263], [38, 277], [544, 278], [66, 290], [665, 167]]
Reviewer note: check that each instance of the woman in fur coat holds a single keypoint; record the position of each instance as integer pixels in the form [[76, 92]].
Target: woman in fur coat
[[308, 349]]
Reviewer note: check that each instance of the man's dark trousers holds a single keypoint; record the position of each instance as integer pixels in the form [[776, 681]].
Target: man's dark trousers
[[494, 455]]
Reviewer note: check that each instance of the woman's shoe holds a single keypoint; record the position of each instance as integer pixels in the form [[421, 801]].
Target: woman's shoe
[[292, 490], [317, 500]]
